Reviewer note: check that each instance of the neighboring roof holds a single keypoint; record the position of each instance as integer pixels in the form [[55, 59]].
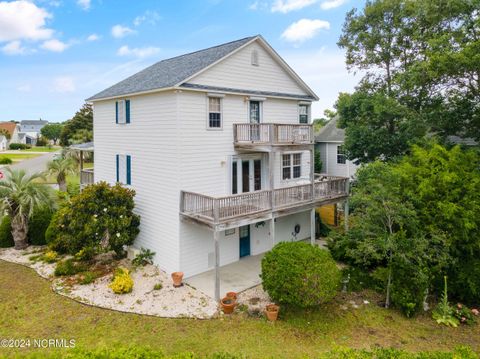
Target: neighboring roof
[[249, 92], [87, 146], [170, 72], [330, 132], [33, 122], [457, 140], [178, 70], [9, 126]]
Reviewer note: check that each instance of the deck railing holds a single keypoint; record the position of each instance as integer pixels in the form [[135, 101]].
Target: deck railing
[[86, 177], [272, 133], [216, 209]]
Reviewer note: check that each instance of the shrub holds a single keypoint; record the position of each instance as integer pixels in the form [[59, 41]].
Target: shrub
[[158, 286], [5, 161], [6, 237], [85, 254], [99, 217], [87, 277], [122, 282], [143, 258], [38, 224], [300, 274], [19, 146], [68, 267], [50, 257], [41, 141]]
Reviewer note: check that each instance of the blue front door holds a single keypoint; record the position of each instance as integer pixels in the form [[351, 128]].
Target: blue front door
[[244, 241]]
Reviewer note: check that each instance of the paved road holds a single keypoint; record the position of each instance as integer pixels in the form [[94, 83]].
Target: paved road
[[36, 164]]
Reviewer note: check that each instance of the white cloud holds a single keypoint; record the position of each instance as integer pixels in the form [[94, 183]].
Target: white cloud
[[331, 4], [24, 88], [23, 20], [138, 52], [63, 84], [14, 48], [84, 4], [285, 6], [304, 29], [149, 17], [54, 45], [119, 31], [93, 37]]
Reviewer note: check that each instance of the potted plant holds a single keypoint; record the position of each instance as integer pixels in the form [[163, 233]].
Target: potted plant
[[271, 311], [228, 305], [232, 295], [177, 279]]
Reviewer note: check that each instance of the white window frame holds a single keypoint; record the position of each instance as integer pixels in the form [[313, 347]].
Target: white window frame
[[220, 98], [307, 106], [291, 165], [122, 112], [341, 154]]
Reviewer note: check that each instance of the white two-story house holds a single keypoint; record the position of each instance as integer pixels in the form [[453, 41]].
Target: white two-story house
[[218, 146]]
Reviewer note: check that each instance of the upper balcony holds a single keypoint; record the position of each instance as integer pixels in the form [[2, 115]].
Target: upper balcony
[[264, 136], [235, 210]]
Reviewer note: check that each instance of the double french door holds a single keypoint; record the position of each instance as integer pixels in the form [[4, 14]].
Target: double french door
[[246, 174]]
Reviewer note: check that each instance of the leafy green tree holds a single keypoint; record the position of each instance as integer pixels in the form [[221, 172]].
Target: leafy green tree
[[21, 194], [52, 131], [61, 168], [79, 128]]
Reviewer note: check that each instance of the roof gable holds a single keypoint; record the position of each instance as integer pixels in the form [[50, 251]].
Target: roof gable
[[330, 132], [170, 72], [10, 127]]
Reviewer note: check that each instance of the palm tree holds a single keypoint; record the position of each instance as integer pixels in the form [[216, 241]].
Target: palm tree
[[61, 168], [20, 194]]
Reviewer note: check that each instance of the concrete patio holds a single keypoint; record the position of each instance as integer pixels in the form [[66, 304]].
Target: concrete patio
[[234, 277]]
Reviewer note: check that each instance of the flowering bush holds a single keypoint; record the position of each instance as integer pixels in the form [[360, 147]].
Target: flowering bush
[[122, 282], [99, 218], [464, 314]]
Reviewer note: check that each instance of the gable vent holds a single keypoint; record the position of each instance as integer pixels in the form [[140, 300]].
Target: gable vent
[[255, 58]]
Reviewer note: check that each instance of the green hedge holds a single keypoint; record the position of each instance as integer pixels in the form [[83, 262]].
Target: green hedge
[[6, 238], [5, 161], [19, 146], [299, 274], [38, 225], [338, 353]]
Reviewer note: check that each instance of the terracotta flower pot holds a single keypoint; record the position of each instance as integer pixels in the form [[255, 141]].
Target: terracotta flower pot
[[271, 311], [232, 295], [228, 305], [177, 279]]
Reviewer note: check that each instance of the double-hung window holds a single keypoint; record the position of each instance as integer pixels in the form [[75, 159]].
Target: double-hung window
[[214, 112], [303, 113], [124, 169], [291, 166], [122, 111], [341, 156]]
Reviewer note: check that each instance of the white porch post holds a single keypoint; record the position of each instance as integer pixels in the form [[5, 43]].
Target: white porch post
[[217, 265], [271, 172], [312, 226], [272, 231]]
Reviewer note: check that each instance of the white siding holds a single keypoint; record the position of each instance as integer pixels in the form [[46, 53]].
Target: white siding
[[151, 140], [238, 72], [328, 154]]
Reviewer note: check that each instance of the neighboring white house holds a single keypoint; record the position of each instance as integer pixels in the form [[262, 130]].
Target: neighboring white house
[[11, 132], [226, 170], [329, 142], [30, 130], [3, 143]]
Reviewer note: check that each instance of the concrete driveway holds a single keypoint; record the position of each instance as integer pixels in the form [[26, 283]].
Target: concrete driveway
[[36, 164], [234, 277]]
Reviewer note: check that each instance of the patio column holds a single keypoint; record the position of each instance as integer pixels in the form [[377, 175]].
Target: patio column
[[217, 265], [272, 231], [81, 161], [312, 226]]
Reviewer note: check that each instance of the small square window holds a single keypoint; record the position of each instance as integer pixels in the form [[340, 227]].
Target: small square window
[[291, 166], [214, 112]]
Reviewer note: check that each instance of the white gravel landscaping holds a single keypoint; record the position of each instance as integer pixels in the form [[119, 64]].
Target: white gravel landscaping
[[169, 302]]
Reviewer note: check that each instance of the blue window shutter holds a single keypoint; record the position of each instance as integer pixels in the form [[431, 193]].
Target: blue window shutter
[[116, 113], [129, 169], [118, 168], [127, 111]]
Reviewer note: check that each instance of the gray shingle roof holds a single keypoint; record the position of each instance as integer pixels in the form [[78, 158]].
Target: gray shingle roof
[[33, 122], [170, 72], [330, 132]]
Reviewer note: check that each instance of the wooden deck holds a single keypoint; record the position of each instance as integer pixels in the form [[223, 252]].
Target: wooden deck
[[86, 177], [231, 211], [264, 136]]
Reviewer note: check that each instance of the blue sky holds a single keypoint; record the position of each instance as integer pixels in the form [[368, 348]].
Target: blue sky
[[56, 53]]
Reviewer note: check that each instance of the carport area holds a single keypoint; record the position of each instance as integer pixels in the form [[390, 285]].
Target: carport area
[[234, 277]]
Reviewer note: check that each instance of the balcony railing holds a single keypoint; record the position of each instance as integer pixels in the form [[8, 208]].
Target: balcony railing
[[218, 209], [86, 177], [272, 134]]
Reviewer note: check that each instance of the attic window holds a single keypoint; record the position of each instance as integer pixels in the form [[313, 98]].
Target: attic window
[[255, 58]]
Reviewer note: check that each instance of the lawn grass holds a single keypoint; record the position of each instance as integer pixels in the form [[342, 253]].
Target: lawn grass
[[29, 309], [20, 156], [42, 149]]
